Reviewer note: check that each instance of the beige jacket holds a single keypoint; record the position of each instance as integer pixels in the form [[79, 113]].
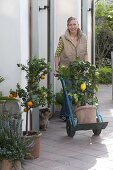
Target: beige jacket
[[70, 51]]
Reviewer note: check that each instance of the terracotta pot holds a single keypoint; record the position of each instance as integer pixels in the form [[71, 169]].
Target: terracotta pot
[[7, 165], [34, 147], [0, 164], [86, 114], [17, 166]]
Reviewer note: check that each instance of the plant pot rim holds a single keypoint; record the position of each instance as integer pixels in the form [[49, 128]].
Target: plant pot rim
[[32, 133], [85, 107]]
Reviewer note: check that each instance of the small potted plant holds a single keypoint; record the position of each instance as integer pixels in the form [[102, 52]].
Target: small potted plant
[[83, 87], [13, 147], [34, 94], [1, 80]]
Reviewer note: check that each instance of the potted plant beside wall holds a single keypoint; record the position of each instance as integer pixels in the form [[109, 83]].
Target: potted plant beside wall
[[1, 80], [82, 89], [34, 95], [13, 147]]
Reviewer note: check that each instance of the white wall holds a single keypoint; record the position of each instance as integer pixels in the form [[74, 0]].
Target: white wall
[[13, 41], [42, 34], [9, 43], [24, 35], [24, 44], [64, 10], [89, 28]]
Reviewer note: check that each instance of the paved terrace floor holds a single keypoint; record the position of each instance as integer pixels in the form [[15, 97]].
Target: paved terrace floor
[[83, 152]]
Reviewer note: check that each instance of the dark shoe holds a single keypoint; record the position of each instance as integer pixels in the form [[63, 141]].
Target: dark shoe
[[63, 118]]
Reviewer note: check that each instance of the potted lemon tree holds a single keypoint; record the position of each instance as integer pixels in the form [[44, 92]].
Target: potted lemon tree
[[34, 94], [83, 87]]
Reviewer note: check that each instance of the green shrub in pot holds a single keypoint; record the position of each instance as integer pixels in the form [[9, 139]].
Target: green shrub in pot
[[84, 82], [13, 147]]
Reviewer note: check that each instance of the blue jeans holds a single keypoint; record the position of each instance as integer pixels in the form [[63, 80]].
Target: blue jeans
[[63, 109]]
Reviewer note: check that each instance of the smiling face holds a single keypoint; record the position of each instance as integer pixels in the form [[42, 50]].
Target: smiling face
[[72, 26]]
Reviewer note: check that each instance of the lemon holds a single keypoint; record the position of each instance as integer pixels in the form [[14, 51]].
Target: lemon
[[62, 66], [42, 77], [44, 93], [83, 87], [97, 73], [10, 95], [25, 110]]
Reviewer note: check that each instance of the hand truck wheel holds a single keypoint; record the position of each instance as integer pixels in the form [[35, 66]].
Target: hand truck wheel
[[70, 129], [97, 131]]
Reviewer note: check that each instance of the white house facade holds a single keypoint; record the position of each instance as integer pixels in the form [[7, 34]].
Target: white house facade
[[32, 28]]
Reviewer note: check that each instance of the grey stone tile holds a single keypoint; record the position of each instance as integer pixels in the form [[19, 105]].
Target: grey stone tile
[[50, 164], [34, 167]]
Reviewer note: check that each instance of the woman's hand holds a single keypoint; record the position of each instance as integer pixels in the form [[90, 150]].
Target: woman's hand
[[56, 73], [57, 61]]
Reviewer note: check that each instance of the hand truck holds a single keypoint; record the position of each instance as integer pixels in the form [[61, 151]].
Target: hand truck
[[72, 124]]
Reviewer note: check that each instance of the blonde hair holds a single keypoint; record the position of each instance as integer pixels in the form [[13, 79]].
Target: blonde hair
[[70, 19]]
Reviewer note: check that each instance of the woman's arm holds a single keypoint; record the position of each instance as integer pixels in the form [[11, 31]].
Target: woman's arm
[[57, 62], [58, 54]]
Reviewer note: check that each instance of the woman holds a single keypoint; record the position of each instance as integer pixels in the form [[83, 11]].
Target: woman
[[71, 45]]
